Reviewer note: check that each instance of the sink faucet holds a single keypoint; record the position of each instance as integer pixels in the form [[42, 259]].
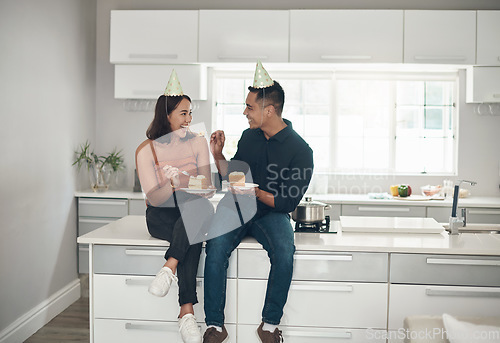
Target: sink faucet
[[456, 222]]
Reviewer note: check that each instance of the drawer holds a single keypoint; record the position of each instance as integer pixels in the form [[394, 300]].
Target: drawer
[[318, 266], [323, 304], [474, 215], [86, 225], [83, 258], [383, 211], [445, 269], [140, 260], [131, 331], [137, 207], [409, 300], [292, 334], [121, 296], [93, 207]]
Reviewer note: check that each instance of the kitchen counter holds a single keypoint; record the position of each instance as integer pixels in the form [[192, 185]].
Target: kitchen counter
[[132, 230], [362, 199]]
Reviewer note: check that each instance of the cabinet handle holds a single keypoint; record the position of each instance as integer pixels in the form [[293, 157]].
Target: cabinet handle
[[383, 209], [136, 252], [155, 56], [462, 293], [103, 202], [484, 211], [344, 288], [242, 57], [343, 334], [459, 262], [323, 257], [154, 327], [138, 282], [439, 58], [346, 57]]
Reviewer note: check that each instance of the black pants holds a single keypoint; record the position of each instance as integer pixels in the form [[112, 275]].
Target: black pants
[[166, 223]]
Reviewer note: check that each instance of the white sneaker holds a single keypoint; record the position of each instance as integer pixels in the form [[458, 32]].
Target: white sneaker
[[190, 332], [161, 283]]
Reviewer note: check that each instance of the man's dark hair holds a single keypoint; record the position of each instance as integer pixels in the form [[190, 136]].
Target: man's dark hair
[[273, 95]]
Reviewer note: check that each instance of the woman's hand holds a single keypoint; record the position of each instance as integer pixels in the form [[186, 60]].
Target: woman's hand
[[172, 173]]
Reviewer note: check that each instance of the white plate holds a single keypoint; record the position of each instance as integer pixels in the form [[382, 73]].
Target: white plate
[[197, 191], [246, 186]]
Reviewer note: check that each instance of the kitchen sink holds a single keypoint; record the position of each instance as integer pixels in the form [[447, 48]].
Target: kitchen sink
[[477, 228]]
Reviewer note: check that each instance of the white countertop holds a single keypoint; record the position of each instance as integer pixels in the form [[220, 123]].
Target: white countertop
[[492, 202], [132, 230]]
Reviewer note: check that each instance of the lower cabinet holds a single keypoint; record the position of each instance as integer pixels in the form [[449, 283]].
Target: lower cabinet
[[133, 331], [295, 334]]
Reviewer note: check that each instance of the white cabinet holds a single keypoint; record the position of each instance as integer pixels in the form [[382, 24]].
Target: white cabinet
[[436, 284], [243, 36], [488, 36], [150, 81], [447, 37], [352, 36], [153, 37], [483, 84]]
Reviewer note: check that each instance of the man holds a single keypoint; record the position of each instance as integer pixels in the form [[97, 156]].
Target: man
[[281, 163]]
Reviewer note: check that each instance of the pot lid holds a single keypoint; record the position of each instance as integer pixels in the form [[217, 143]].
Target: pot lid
[[308, 202]]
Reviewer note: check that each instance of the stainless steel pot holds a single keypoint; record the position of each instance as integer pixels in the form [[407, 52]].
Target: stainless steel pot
[[309, 211]]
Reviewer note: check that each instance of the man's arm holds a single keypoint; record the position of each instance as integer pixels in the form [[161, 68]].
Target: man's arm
[[217, 140]]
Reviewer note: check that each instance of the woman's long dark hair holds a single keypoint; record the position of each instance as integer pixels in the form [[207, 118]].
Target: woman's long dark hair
[[160, 126]]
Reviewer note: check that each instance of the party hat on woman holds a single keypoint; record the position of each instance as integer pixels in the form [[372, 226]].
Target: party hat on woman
[[174, 86], [261, 78]]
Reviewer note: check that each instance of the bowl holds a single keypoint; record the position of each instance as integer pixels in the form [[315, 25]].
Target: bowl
[[429, 190]]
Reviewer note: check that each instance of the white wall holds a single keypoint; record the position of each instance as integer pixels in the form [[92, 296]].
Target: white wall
[[47, 107]]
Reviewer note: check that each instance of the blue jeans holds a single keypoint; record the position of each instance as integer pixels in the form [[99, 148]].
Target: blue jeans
[[275, 233]]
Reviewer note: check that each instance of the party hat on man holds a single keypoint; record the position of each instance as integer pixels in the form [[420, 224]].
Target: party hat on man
[[174, 86], [261, 78]]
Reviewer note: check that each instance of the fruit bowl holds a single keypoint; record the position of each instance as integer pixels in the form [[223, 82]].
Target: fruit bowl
[[429, 190]]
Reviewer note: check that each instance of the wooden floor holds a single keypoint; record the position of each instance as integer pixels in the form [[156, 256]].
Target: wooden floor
[[71, 325]]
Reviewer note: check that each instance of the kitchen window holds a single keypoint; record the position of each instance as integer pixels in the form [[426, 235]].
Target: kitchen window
[[357, 122]]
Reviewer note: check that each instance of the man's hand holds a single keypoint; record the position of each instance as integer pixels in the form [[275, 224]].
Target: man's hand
[[217, 140], [250, 191]]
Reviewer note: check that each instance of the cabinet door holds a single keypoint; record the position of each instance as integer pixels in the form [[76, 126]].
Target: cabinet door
[[383, 211], [108, 208], [243, 36], [150, 81], [440, 37], [133, 331], [488, 33], [351, 36], [136, 207], [483, 84], [152, 37], [120, 296], [324, 304], [480, 215], [410, 300], [246, 334]]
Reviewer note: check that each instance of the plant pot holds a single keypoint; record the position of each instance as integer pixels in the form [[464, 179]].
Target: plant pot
[[99, 175]]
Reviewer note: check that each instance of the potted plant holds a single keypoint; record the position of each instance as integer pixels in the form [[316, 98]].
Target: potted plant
[[99, 167]]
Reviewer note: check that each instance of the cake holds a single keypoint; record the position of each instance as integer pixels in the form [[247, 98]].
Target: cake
[[198, 182], [237, 179]]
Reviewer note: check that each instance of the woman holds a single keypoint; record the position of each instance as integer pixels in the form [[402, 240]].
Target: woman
[[170, 150]]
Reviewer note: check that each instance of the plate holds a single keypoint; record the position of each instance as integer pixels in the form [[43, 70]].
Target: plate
[[246, 186], [197, 191]]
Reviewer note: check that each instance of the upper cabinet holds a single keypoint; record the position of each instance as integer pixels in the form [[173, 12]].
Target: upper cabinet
[[149, 81], [488, 38], [243, 36], [483, 84], [152, 37], [440, 37], [346, 36]]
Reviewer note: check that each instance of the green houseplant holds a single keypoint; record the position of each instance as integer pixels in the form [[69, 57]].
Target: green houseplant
[[99, 167]]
